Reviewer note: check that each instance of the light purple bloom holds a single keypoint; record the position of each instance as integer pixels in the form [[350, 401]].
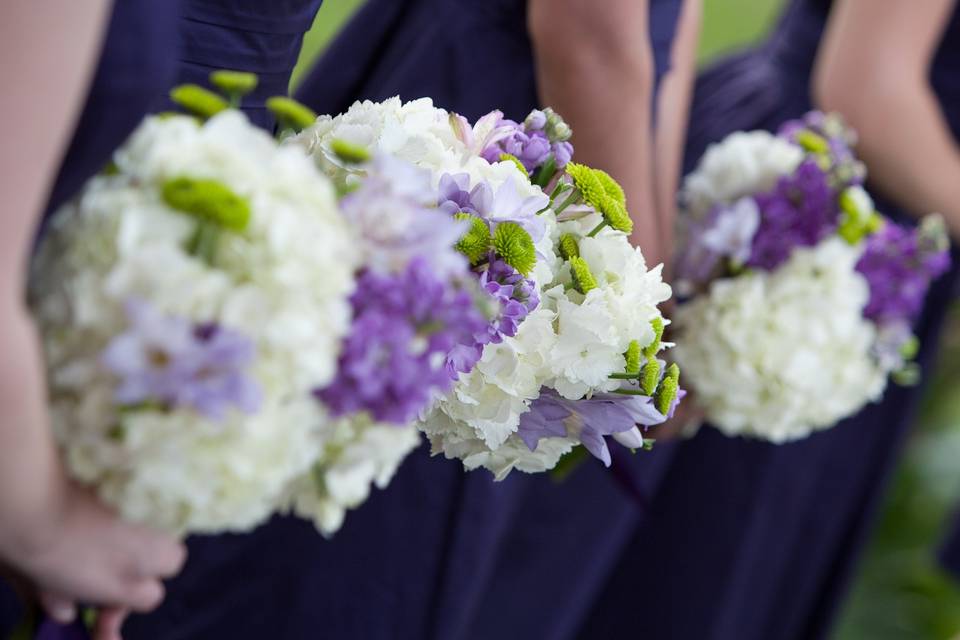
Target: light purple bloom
[[844, 168], [394, 211], [506, 204], [173, 362], [530, 142], [732, 234], [394, 360], [588, 420], [899, 265]]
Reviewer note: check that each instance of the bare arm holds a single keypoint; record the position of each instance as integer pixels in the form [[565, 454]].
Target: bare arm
[[873, 68], [57, 536], [595, 67], [673, 110]]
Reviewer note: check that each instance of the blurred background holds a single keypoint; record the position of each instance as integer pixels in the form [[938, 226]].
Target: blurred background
[[899, 592]]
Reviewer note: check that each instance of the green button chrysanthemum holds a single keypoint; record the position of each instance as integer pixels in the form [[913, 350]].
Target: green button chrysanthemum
[[348, 152], [812, 142], [650, 376], [652, 349], [209, 201], [515, 246], [475, 243], [583, 280], [290, 113], [509, 157], [615, 215], [669, 387], [588, 184], [200, 102], [611, 187], [568, 246], [234, 83], [632, 356]]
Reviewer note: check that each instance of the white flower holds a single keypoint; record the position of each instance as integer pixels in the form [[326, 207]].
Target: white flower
[[358, 454], [283, 282], [733, 233], [743, 164], [778, 355]]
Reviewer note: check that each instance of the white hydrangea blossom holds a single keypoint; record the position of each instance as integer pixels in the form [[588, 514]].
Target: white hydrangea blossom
[[742, 164], [284, 283], [778, 355], [357, 454]]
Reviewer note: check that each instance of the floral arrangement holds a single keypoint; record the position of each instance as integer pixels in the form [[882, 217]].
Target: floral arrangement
[[798, 296], [569, 354], [229, 336]]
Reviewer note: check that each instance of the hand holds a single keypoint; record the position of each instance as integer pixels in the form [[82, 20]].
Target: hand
[[84, 552]]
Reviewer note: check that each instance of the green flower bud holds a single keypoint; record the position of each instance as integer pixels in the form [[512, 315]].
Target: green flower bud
[[475, 243], [650, 376], [568, 246], [208, 200], [615, 215], [509, 157], [557, 129], [611, 187], [234, 84], [515, 246], [932, 236], [583, 280], [812, 142], [654, 347], [632, 356], [667, 392], [908, 375], [290, 113], [201, 102], [587, 183], [349, 153], [910, 348]]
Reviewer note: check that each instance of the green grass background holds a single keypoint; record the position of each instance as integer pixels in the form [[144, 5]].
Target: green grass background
[[899, 593]]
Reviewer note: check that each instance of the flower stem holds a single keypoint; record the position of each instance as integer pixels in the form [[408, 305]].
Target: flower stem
[[597, 229], [566, 203], [624, 376]]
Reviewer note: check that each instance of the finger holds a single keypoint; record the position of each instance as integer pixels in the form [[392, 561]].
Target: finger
[[144, 596], [154, 554], [60, 609], [109, 623]]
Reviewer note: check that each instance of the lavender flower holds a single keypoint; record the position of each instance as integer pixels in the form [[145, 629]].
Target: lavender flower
[[405, 325], [394, 213], [827, 136], [800, 211], [899, 263], [587, 420], [541, 136], [506, 204], [171, 361]]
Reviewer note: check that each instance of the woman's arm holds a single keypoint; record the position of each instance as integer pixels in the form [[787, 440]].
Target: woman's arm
[[54, 534], [595, 67], [873, 67], [673, 111]]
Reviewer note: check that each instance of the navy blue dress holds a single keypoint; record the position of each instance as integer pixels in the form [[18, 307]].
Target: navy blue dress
[[440, 554], [747, 540], [136, 68]]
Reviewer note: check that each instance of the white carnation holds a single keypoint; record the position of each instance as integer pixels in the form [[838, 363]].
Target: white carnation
[[777, 355]]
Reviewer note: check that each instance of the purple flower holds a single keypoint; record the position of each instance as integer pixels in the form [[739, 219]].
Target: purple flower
[[171, 361], [514, 297], [833, 142], [395, 215], [405, 325], [587, 420], [800, 211], [533, 142], [506, 204], [899, 263]]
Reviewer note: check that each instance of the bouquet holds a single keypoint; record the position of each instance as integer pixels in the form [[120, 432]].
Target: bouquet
[[228, 336], [798, 297], [570, 352]]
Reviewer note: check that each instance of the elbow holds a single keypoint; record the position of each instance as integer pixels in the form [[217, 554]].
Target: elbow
[[835, 91]]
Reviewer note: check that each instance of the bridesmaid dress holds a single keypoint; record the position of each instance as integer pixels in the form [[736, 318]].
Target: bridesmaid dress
[[755, 541], [440, 554], [136, 68]]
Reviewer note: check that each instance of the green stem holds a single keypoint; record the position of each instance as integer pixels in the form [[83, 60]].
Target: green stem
[[566, 203], [204, 241], [597, 229], [624, 376]]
